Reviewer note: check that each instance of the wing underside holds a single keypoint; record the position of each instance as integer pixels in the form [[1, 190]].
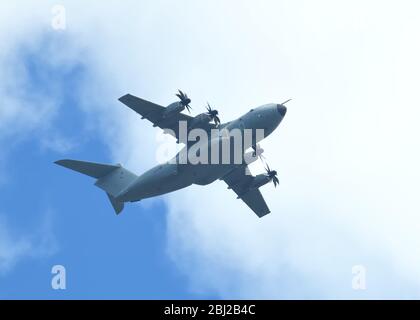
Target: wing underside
[[155, 114], [239, 181]]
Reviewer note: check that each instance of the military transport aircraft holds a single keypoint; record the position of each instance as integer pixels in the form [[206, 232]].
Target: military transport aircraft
[[122, 186]]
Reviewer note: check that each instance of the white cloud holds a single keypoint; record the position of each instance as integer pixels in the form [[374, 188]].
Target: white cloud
[[11, 249], [26, 112], [16, 245], [57, 143], [29, 69], [346, 153]]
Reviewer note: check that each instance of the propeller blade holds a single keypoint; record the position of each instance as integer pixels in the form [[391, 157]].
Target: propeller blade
[[213, 114], [180, 95], [275, 181], [185, 101], [272, 175]]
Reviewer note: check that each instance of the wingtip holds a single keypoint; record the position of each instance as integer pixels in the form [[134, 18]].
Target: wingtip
[[264, 214], [60, 162], [124, 97], [66, 163]]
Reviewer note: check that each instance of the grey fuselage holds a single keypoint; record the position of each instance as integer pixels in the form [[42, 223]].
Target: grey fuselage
[[171, 176]]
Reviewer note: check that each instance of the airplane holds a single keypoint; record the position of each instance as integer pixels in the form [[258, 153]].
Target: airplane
[[122, 186]]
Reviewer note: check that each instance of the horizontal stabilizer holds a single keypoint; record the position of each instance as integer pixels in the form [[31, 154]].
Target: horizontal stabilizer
[[94, 170], [112, 179]]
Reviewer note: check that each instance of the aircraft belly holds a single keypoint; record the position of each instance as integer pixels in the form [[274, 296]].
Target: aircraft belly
[[169, 183], [206, 174], [157, 181]]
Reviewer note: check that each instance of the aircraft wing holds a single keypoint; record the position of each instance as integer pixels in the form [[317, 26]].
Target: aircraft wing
[[239, 181], [154, 113]]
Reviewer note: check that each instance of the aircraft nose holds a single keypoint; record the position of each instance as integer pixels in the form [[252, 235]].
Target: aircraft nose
[[281, 109]]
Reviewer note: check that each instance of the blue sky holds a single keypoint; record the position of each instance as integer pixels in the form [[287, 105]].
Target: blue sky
[[346, 153], [104, 256]]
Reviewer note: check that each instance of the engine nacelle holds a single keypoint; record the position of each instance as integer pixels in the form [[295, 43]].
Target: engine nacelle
[[200, 121], [259, 181], [173, 108]]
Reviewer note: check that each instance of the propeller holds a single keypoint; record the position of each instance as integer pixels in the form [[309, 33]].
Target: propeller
[[213, 114], [272, 174], [185, 101]]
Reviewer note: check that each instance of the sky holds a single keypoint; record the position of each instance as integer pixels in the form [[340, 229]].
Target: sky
[[346, 154]]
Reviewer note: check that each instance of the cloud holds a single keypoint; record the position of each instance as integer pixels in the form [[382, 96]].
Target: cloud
[[346, 153], [11, 249], [16, 246], [339, 150], [58, 144], [347, 180], [339, 153], [32, 69]]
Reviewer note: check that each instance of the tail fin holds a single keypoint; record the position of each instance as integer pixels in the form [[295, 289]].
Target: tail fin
[[111, 178], [118, 206]]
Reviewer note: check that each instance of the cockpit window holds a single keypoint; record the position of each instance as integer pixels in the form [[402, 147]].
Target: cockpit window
[[251, 110]]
